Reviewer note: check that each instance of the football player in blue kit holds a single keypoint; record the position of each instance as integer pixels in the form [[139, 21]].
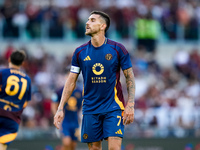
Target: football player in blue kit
[[15, 92], [70, 124], [104, 110]]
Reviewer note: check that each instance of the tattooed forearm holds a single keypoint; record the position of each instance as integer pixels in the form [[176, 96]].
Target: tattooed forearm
[[69, 86], [67, 91], [60, 110], [130, 82]]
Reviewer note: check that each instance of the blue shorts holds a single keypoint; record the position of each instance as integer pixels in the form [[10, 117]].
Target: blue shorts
[[8, 130], [96, 127], [71, 131]]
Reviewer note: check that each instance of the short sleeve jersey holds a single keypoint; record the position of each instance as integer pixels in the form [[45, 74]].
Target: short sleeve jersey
[[100, 68], [15, 91]]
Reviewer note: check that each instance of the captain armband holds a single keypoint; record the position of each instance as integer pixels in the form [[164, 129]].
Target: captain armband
[[75, 69]]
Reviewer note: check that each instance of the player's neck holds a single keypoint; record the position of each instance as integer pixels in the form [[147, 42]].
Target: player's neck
[[14, 66], [97, 41]]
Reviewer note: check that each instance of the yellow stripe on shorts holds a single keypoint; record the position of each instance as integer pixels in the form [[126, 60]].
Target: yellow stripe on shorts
[[8, 137]]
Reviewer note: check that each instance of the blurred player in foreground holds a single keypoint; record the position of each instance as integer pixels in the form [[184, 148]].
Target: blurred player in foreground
[[15, 92], [104, 111], [70, 126]]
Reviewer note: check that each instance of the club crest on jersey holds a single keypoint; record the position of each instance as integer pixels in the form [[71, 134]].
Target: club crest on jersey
[[108, 56], [85, 136]]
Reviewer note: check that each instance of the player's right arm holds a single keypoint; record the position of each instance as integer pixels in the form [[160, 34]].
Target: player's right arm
[[54, 107], [69, 87]]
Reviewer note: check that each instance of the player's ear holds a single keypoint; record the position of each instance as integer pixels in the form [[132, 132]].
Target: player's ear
[[9, 60], [103, 26]]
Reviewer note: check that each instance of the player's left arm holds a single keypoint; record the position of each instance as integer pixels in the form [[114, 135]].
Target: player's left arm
[[129, 109]]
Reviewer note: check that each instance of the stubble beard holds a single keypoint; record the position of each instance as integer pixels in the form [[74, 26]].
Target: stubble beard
[[89, 34]]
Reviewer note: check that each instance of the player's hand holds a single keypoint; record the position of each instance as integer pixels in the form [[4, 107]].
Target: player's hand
[[58, 118], [128, 114]]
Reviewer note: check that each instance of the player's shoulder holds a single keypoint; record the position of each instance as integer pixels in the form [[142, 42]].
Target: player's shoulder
[[27, 76], [82, 47], [4, 69], [19, 73], [117, 45], [5, 72], [9, 72], [111, 42]]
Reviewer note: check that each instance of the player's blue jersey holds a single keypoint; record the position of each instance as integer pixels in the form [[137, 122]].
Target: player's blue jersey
[[100, 67], [71, 108], [15, 91]]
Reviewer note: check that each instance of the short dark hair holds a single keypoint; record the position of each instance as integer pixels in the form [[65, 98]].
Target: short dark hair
[[104, 16], [17, 57]]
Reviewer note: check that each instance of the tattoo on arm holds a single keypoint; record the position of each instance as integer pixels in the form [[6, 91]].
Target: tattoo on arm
[[67, 91], [130, 82], [60, 110]]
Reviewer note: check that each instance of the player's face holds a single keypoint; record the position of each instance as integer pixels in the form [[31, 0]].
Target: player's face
[[93, 25]]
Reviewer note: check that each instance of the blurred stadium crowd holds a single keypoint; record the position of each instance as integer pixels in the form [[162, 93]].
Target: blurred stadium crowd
[[167, 99], [56, 18]]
